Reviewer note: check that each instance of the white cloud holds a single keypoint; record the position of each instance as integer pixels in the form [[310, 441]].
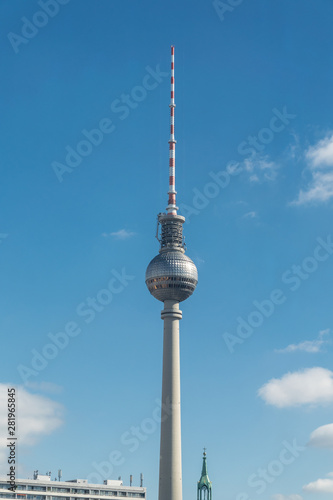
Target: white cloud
[[319, 486], [311, 346], [250, 215], [320, 165], [323, 333], [321, 154], [260, 168], [319, 190], [313, 386], [306, 346], [287, 497], [322, 437], [122, 234], [37, 416]]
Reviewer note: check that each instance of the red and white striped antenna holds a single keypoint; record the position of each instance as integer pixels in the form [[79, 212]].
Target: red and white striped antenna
[[172, 208]]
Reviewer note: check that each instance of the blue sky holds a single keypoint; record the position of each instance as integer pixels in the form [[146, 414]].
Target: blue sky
[[84, 131]]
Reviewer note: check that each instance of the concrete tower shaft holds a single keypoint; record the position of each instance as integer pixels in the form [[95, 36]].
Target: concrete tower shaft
[[170, 478]]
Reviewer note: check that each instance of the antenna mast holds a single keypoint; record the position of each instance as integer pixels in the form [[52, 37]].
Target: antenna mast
[[172, 208]]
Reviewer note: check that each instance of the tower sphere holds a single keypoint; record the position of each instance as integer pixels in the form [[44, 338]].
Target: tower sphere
[[171, 275]]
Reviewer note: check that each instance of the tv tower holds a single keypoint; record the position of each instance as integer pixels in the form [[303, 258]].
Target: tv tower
[[171, 277]]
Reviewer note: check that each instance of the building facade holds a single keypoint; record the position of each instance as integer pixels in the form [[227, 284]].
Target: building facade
[[42, 488]]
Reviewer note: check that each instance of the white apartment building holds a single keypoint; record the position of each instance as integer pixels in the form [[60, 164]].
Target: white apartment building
[[42, 488]]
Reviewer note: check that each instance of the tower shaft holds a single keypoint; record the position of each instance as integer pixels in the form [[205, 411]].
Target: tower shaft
[[170, 479]]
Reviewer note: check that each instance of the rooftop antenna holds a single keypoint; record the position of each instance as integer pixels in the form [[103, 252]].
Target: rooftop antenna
[[172, 208], [59, 474], [141, 480], [131, 480]]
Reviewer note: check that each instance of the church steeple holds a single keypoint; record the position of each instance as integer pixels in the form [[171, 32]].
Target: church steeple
[[204, 485]]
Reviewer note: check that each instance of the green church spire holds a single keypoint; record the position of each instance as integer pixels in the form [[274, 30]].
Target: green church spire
[[204, 485]]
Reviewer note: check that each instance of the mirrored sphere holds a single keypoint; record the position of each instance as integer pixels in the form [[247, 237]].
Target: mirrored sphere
[[171, 276]]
